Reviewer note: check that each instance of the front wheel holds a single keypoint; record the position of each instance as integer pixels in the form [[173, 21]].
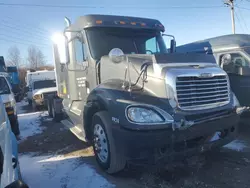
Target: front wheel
[[30, 102], [105, 151]]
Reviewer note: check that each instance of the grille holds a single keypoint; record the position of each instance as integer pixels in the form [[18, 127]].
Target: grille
[[195, 92], [46, 95]]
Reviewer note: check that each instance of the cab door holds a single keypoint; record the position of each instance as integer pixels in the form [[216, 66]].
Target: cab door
[[238, 70]]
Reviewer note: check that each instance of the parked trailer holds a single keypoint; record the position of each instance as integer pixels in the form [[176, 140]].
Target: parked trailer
[[15, 82], [120, 89]]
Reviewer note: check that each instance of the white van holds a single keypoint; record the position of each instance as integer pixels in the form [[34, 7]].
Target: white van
[[9, 101]]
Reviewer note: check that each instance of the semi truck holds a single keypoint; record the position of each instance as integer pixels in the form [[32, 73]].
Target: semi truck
[[40, 84], [232, 53], [121, 89]]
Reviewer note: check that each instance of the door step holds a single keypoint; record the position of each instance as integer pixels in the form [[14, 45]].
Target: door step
[[76, 131]]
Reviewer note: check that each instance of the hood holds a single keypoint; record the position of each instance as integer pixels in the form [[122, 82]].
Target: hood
[[44, 90], [7, 98]]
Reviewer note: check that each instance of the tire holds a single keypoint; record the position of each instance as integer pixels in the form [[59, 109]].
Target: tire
[[15, 127], [115, 161], [19, 171], [34, 107], [30, 102], [57, 117], [49, 108]]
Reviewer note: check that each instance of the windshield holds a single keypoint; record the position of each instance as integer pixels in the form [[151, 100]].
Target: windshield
[[130, 41], [4, 87], [247, 50], [44, 84]]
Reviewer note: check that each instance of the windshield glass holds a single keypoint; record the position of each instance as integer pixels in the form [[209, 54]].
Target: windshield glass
[[247, 50], [4, 87], [44, 84], [130, 41]]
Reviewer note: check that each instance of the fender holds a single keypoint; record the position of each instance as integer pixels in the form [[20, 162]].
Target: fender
[[111, 97]]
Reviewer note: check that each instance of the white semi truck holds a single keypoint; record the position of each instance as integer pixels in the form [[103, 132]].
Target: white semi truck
[[120, 89], [40, 84]]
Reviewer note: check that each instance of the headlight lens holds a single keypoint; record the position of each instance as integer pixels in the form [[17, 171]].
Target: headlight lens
[[144, 115], [7, 104], [38, 96]]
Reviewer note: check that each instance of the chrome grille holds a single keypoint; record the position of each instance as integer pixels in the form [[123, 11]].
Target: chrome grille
[[193, 92], [48, 94]]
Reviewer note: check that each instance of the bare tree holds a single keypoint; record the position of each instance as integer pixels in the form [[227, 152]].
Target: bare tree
[[13, 58], [35, 58]]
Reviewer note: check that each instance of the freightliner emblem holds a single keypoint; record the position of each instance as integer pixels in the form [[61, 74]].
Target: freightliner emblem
[[206, 75]]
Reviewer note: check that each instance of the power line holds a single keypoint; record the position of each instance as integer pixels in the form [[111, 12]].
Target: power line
[[95, 7], [242, 17], [239, 20], [22, 43], [21, 39], [25, 32], [31, 26], [243, 8]]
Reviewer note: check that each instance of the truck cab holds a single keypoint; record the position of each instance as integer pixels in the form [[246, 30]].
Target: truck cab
[[232, 54], [120, 89], [40, 84]]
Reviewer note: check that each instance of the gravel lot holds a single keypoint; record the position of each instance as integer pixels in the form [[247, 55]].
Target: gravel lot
[[50, 155]]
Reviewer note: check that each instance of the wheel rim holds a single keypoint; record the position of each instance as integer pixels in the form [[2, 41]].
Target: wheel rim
[[100, 143]]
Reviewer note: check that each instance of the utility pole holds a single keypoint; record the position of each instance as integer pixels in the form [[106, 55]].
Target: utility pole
[[230, 3]]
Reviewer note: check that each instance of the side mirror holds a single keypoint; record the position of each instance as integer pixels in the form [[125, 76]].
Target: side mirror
[[61, 47], [17, 184], [172, 42], [116, 55], [172, 45], [226, 60]]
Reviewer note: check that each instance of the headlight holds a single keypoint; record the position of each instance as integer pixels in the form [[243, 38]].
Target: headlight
[[7, 104], [38, 96], [146, 115]]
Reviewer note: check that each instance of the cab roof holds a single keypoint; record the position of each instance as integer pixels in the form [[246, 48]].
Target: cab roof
[[220, 43], [98, 20]]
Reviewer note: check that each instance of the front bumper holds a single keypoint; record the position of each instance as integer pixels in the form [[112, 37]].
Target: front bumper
[[153, 146], [39, 102]]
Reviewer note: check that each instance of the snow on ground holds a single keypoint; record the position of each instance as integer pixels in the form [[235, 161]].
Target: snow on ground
[[59, 171], [237, 145], [29, 124]]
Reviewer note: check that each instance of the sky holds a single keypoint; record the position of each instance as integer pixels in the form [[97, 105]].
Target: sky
[[187, 20]]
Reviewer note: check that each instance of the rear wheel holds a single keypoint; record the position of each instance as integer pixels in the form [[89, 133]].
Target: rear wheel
[[49, 108], [56, 116], [105, 151], [34, 106]]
